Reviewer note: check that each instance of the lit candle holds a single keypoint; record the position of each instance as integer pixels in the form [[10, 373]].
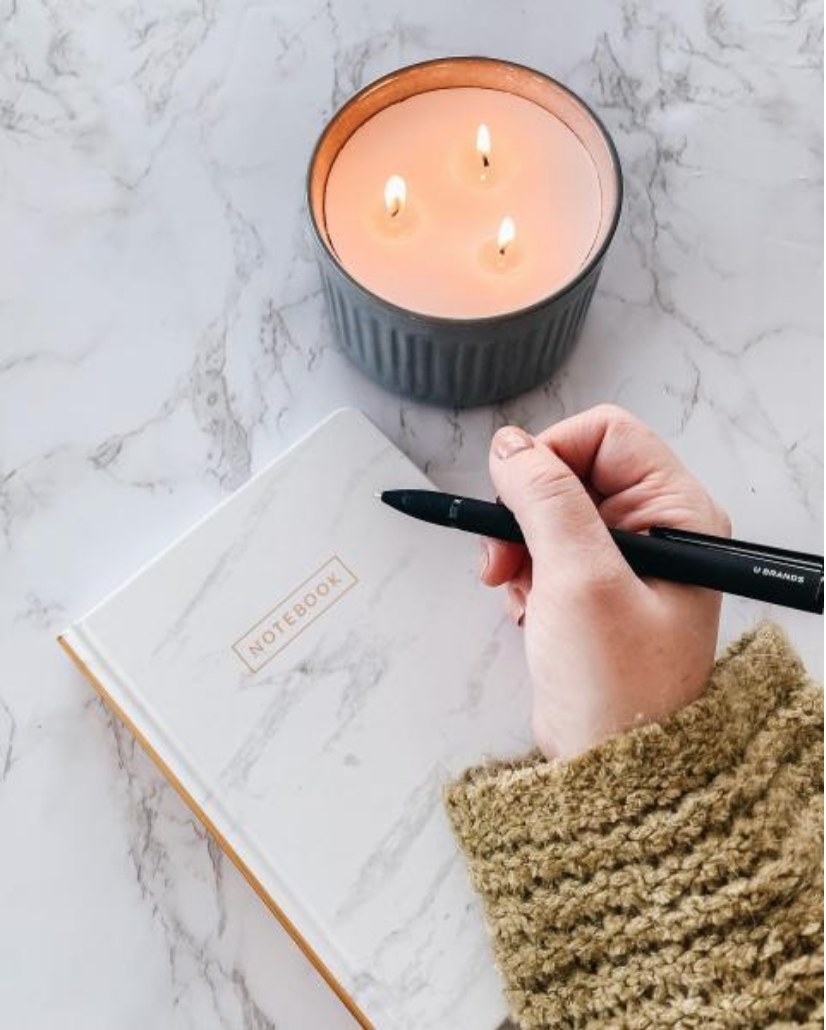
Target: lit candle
[[505, 236], [483, 148], [395, 195], [464, 192], [549, 186]]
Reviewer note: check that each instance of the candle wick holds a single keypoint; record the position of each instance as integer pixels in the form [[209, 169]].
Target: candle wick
[[485, 161], [505, 237], [395, 191]]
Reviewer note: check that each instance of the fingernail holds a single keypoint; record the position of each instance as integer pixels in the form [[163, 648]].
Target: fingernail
[[484, 557], [509, 441]]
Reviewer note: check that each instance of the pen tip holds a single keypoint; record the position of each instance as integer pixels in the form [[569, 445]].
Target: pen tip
[[377, 495]]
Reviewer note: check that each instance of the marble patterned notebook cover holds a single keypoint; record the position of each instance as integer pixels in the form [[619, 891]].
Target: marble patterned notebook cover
[[308, 668]]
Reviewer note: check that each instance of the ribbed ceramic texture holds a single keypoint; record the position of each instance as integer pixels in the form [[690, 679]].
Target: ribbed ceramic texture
[[459, 364]]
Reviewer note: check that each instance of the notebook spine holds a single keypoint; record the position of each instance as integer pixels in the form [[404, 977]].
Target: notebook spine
[[114, 692]]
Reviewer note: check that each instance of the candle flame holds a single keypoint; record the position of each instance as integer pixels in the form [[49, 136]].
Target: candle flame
[[506, 235], [395, 195], [483, 144]]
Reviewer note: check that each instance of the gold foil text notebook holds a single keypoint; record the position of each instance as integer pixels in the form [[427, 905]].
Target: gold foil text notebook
[[308, 668]]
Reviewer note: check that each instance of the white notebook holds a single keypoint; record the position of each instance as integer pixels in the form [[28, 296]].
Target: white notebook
[[309, 668]]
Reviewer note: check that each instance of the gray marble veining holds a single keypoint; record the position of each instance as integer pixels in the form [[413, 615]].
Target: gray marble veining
[[162, 335]]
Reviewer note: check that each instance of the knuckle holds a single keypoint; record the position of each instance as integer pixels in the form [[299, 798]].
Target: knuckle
[[722, 520], [542, 484], [627, 431], [698, 511], [611, 411], [617, 416]]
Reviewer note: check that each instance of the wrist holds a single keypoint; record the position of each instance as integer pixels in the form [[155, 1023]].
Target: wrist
[[562, 732]]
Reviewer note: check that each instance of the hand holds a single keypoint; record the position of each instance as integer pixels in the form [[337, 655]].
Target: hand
[[606, 650]]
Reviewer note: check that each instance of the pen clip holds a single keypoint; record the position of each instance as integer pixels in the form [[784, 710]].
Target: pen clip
[[760, 552]]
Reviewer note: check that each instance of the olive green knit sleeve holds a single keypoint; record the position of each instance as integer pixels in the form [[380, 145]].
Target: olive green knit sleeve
[[670, 877]]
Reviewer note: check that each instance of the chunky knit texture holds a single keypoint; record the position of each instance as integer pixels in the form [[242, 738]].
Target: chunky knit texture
[[671, 877]]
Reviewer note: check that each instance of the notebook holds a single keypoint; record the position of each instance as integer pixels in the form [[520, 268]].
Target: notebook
[[308, 668]]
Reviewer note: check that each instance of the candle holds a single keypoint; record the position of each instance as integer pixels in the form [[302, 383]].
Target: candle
[[462, 209], [469, 157]]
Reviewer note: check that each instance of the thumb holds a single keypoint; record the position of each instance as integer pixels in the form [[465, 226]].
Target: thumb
[[562, 528]]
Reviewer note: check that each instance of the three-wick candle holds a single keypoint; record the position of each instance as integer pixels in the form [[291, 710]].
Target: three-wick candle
[[463, 208]]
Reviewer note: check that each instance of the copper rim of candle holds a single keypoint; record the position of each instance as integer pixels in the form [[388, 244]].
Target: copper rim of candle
[[480, 72]]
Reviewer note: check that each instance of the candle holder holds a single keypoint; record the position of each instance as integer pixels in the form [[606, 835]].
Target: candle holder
[[461, 362]]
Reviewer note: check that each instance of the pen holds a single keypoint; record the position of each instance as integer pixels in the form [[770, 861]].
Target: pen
[[789, 578]]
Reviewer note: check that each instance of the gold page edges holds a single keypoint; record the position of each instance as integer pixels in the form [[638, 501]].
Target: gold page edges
[[309, 952]]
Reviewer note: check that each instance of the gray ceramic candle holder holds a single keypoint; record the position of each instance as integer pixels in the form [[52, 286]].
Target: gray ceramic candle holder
[[451, 361]]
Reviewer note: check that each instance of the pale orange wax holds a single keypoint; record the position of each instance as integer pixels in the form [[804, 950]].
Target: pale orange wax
[[438, 256]]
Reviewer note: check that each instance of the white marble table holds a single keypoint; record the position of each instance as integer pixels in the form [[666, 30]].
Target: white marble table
[[162, 335]]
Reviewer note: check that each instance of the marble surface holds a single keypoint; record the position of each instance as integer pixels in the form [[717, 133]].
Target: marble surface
[[162, 335]]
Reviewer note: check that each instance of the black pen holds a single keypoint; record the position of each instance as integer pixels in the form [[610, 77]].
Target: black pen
[[788, 578]]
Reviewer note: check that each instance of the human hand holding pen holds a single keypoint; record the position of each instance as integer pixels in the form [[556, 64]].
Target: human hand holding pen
[[606, 650]]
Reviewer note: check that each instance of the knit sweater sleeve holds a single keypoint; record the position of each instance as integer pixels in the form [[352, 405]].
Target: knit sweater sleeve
[[670, 877]]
